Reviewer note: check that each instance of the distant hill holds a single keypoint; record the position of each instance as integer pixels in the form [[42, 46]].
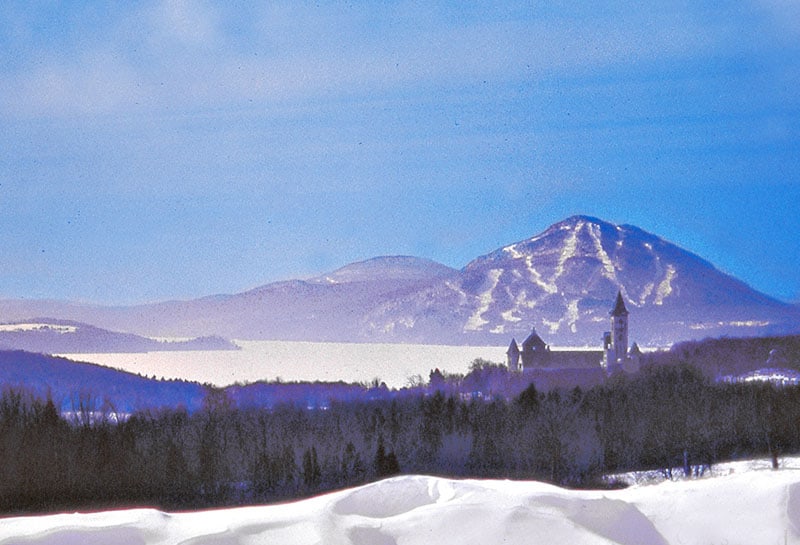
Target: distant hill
[[103, 390], [326, 308], [52, 336], [71, 383], [562, 281]]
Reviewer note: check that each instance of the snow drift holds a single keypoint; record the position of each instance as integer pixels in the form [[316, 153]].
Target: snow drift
[[758, 507]]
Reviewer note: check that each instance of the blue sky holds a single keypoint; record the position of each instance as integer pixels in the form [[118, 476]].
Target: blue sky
[[174, 149]]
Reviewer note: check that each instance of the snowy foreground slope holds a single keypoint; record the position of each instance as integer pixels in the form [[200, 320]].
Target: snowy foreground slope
[[753, 508]]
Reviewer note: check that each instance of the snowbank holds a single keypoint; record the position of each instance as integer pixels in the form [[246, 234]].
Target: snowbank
[[755, 507]]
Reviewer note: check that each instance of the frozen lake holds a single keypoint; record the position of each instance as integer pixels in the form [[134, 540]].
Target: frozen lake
[[268, 360]]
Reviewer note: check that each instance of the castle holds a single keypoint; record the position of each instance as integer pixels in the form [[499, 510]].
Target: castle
[[615, 356]]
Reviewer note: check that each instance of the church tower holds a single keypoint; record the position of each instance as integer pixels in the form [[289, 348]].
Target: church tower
[[615, 342], [619, 330]]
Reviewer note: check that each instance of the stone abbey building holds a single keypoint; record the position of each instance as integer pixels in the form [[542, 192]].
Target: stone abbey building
[[615, 356]]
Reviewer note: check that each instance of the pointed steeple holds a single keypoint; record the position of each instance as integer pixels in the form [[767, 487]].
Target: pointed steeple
[[619, 306], [513, 348]]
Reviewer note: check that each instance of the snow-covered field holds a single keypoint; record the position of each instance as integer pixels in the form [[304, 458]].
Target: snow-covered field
[[724, 469], [752, 507], [266, 360]]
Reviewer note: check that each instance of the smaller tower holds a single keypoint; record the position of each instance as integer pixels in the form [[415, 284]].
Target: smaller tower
[[606, 346], [635, 352], [512, 355], [632, 364]]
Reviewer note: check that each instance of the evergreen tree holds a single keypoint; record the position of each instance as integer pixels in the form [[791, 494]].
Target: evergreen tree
[[311, 469], [386, 465]]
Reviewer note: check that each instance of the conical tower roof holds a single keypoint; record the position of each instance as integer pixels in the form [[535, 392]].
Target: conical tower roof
[[619, 306], [513, 348]]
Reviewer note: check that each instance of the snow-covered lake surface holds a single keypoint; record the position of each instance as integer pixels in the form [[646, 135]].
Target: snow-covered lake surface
[[266, 360], [746, 506]]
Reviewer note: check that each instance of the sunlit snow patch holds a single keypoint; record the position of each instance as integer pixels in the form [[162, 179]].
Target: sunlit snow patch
[[476, 321], [734, 323], [567, 252], [665, 287], [781, 377], [609, 270], [58, 328]]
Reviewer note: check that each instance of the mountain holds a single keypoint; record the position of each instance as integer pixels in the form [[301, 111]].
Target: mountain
[[325, 308], [68, 337], [563, 282]]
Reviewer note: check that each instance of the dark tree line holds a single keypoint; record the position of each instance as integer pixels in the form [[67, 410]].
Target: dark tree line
[[664, 417], [736, 355]]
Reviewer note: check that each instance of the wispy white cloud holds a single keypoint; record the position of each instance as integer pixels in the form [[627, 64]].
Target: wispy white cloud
[[185, 54], [191, 23], [99, 83], [784, 17]]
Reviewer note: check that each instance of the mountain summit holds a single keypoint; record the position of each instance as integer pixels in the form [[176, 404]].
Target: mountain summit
[[563, 281], [387, 269]]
